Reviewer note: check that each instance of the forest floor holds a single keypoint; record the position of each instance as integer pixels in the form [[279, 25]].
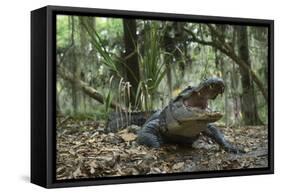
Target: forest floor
[[85, 151]]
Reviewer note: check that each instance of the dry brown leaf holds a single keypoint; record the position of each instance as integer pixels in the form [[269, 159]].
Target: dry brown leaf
[[178, 166], [77, 172], [93, 164], [128, 136], [71, 151]]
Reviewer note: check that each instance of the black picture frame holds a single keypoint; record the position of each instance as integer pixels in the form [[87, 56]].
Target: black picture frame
[[43, 80]]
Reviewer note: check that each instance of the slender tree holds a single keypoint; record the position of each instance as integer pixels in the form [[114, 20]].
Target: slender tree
[[131, 57], [169, 48], [234, 84], [248, 97], [83, 57], [220, 62], [75, 67]]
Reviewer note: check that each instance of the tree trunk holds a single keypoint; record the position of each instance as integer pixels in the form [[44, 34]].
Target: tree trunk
[[168, 58], [248, 98], [92, 58], [131, 57], [74, 66], [83, 58], [234, 85]]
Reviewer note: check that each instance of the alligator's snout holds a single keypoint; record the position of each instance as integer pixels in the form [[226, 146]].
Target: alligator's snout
[[211, 88], [198, 96]]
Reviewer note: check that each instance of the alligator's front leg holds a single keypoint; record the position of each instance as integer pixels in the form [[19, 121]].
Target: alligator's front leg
[[149, 134], [218, 136]]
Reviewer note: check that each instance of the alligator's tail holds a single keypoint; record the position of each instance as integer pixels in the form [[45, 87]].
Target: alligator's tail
[[120, 120]]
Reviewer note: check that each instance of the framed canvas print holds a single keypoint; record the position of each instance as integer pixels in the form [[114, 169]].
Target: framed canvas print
[[125, 96]]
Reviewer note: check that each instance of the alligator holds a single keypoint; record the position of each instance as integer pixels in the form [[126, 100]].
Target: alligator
[[182, 120]]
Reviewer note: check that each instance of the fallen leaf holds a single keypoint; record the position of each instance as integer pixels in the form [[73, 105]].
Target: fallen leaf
[[128, 136], [77, 172], [178, 166]]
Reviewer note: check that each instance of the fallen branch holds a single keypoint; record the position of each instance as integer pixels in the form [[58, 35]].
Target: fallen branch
[[90, 91], [63, 121]]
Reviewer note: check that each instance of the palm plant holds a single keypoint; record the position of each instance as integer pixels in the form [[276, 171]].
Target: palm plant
[[152, 67]]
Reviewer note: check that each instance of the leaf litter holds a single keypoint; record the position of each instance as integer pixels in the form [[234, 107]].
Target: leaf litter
[[84, 150]]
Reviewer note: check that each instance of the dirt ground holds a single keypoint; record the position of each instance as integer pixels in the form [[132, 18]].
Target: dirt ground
[[85, 151]]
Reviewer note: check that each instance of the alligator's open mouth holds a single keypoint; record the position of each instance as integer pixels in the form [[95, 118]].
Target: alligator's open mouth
[[198, 96]]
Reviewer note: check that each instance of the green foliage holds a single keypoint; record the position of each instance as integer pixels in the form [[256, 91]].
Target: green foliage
[[63, 31], [111, 33], [101, 60], [152, 67], [96, 41]]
